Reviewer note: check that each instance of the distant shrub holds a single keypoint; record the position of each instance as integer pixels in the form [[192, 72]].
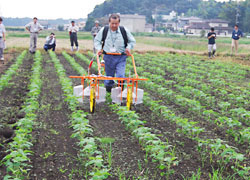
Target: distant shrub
[[14, 29]]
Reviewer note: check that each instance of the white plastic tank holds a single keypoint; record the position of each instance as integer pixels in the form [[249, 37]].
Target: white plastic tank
[[115, 95], [139, 95], [78, 92]]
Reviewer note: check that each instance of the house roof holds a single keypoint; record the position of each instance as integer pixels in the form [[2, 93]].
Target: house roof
[[217, 21], [190, 18], [206, 26], [132, 16], [199, 25]]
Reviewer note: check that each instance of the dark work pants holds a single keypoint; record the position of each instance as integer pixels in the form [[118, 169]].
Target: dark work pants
[[114, 65], [48, 47], [73, 39]]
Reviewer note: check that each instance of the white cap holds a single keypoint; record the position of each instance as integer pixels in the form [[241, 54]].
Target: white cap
[[97, 22]]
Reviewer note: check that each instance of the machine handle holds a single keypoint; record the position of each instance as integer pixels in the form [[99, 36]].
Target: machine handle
[[90, 65]]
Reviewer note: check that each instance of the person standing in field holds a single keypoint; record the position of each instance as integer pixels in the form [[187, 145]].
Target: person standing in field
[[50, 42], [211, 43], [34, 28], [236, 35], [73, 29], [94, 32], [2, 39], [114, 39]]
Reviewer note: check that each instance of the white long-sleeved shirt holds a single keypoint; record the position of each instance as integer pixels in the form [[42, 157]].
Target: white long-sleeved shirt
[[50, 41], [2, 30], [73, 29]]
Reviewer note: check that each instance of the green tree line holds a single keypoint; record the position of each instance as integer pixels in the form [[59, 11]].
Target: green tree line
[[210, 9]]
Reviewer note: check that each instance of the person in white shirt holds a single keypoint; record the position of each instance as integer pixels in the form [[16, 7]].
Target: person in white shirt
[[50, 42], [34, 28], [2, 39], [73, 29], [94, 32]]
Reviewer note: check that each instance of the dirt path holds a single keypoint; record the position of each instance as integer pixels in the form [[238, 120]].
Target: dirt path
[[55, 152], [11, 100], [9, 59]]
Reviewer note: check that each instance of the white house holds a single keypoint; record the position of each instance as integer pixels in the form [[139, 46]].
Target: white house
[[169, 17], [134, 22]]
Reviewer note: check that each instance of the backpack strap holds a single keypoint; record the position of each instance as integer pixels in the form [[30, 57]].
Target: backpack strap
[[104, 35], [123, 31], [124, 35]]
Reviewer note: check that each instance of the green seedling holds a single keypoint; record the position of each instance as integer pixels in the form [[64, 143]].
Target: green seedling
[[47, 155]]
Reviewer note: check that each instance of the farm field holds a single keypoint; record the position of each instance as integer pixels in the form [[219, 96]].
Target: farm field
[[145, 42], [194, 122]]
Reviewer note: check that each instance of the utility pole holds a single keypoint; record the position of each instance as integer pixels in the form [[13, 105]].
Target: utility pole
[[238, 12]]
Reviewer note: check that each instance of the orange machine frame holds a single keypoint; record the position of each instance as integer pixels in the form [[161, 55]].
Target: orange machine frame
[[95, 79]]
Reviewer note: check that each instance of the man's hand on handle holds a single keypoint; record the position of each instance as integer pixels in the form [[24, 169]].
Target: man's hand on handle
[[128, 52], [99, 53]]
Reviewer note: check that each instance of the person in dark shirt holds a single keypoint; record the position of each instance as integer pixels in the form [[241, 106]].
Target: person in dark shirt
[[236, 35], [211, 43]]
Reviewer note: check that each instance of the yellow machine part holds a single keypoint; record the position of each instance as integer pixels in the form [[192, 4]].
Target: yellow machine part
[[129, 98], [92, 99]]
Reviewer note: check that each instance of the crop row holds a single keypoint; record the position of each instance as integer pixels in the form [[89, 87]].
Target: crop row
[[186, 87], [17, 160], [209, 69], [215, 82], [216, 147], [210, 149], [195, 106], [4, 80], [159, 151], [82, 129]]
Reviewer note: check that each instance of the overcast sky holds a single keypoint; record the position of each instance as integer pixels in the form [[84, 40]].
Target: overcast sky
[[48, 9]]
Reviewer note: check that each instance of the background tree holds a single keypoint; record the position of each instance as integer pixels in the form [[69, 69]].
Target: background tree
[[60, 28], [210, 9], [246, 16], [90, 23]]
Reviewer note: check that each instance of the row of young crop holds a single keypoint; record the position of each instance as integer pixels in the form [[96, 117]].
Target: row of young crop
[[19, 151], [96, 170], [208, 69], [159, 151], [234, 107], [215, 81], [4, 80], [217, 85], [234, 117], [214, 147], [226, 154], [185, 98]]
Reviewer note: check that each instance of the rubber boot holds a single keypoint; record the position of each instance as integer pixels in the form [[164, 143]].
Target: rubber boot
[[214, 53], [209, 54]]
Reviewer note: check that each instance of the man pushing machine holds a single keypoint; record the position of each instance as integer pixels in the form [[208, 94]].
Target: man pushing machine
[[114, 39]]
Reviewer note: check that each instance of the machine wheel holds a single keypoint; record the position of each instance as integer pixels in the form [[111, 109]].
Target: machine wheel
[[129, 98], [92, 98]]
